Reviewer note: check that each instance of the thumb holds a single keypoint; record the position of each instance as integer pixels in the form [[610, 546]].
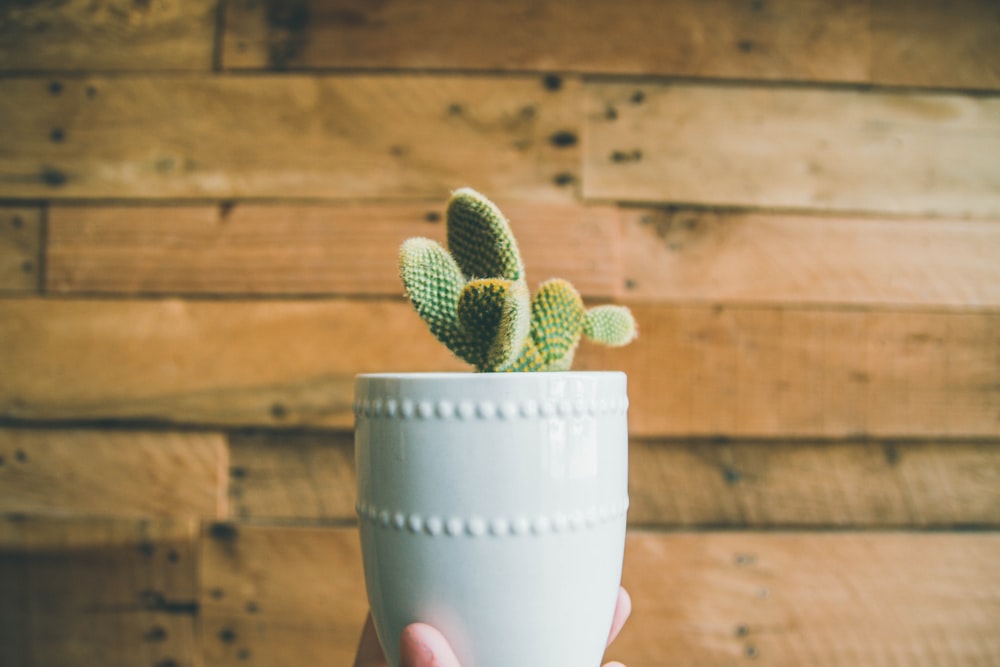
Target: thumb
[[420, 645]]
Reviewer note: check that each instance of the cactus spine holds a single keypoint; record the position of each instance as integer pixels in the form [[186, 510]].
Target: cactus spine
[[475, 299]]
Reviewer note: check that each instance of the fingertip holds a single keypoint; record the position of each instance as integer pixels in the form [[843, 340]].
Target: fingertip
[[625, 601], [421, 645], [622, 611]]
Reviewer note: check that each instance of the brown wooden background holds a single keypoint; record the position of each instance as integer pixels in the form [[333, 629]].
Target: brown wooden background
[[200, 205]]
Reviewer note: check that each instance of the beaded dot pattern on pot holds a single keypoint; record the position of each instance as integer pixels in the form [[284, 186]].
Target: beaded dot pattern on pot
[[379, 408], [477, 526]]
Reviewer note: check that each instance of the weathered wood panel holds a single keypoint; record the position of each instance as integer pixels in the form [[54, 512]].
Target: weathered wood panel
[[79, 35], [767, 484], [812, 599], [695, 370], [288, 249], [822, 40], [777, 372], [113, 473], [936, 43], [701, 599], [20, 249], [323, 137], [776, 484], [838, 150], [293, 476], [698, 255], [97, 592], [231, 362], [280, 596]]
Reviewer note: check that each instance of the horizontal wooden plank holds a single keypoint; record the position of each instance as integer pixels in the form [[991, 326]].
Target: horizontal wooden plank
[[812, 599], [20, 249], [79, 35], [231, 362], [780, 484], [287, 249], [695, 370], [788, 372], [819, 40], [837, 150], [280, 596], [700, 598], [676, 483], [97, 592], [945, 43], [113, 473], [293, 476], [700, 255], [322, 137]]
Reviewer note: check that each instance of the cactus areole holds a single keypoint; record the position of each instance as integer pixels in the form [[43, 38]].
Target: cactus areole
[[475, 299]]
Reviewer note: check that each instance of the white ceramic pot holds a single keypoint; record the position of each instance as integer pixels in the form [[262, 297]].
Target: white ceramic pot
[[492, 506]]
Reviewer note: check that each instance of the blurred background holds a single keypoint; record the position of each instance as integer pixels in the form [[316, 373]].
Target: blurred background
[[200, 207]]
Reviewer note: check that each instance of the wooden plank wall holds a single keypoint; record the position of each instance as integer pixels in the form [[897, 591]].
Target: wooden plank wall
[[200, 205]]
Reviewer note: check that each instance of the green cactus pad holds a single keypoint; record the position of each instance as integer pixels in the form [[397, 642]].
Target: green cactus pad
[[557, 316], [480, 238], [433, 284], [610, 325], [557, 320], [494, 313]]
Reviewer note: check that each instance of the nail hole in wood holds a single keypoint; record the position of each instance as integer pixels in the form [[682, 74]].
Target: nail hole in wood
[[563, 139]]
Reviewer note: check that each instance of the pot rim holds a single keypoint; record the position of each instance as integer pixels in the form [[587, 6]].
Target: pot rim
[[450, 375]]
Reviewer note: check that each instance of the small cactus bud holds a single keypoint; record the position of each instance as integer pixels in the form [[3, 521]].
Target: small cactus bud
[[610, 325]]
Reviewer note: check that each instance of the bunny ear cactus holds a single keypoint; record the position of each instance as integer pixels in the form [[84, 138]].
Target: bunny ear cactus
[[475, 299]]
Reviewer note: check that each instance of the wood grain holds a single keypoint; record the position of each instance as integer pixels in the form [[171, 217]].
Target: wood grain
[[778, 484], [811, 599], [97, 592], [936, 43], [297, 477], [789, 372], [319, 137], [347, 249], [700, 598], [113, 473], [200, 207], [695, 370], [280, 595], [20, 249], [724, 256], [831, 150], [228, 363], [293, 476], [78, 35], [820, 40]]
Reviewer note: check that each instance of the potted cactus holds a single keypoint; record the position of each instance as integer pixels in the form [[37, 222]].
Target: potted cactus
[[492, 503]]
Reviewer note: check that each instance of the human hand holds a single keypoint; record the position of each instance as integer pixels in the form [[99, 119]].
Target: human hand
[[420, 645]]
